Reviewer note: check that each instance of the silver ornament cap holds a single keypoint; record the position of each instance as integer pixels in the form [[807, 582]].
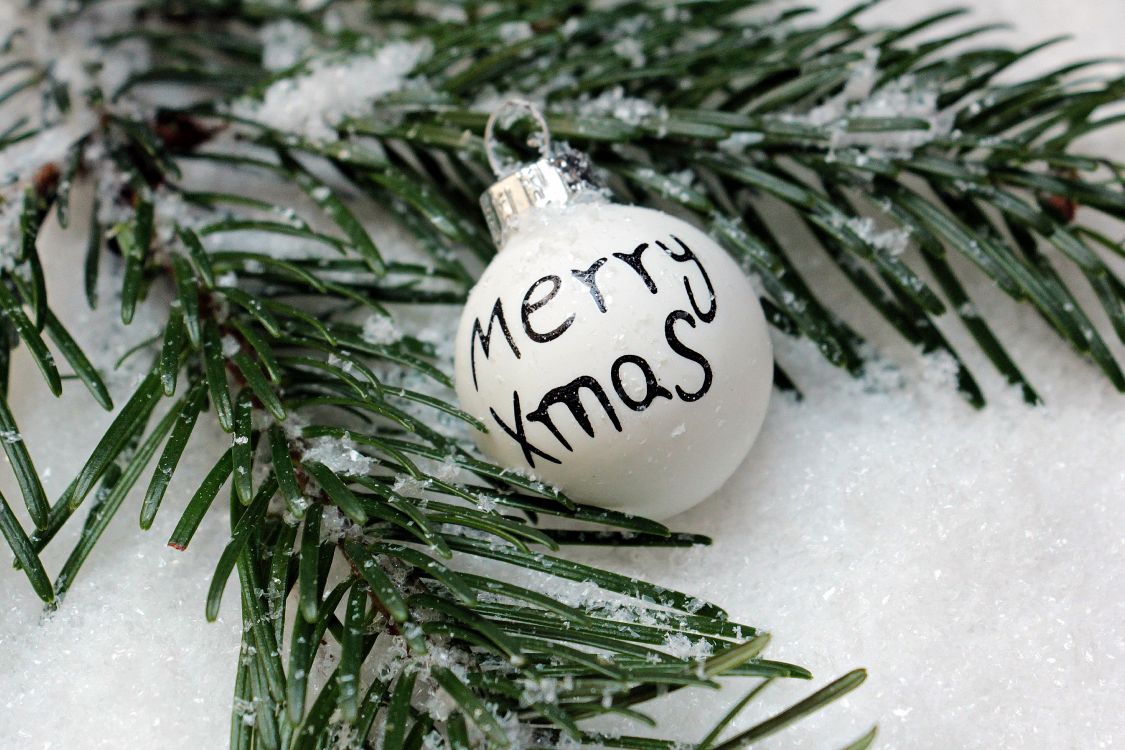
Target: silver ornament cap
[[556, 179]]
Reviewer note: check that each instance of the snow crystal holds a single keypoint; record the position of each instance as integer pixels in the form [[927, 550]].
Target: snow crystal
[[904, 97], [284, 44], [172, 211], [334, 525], [629, 109], [11, 206], [737, 143], [315, 100], [682, 647], [441, 11], [631, 50], [380, 330], [409, 486], [891, 241], [231, 346], [49, 145], [228, 279], [543, 690], [339, 455], [515, 31]]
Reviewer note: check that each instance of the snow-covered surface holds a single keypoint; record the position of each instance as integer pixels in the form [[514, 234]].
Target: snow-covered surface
[[973, 562]]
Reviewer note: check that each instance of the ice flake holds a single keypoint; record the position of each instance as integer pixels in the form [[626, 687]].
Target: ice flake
[[409, 486], [47, 146], [515, 31], [631, 50], [245, 710], [334, 525], [682, 647], [441, 11], [737, 143], [904, 97], [231, 346], [892, 241], [341, 456], [284, 44], [380, 330], [447, 470], [228, 279], [172, 211], [11, 206], [628, 109], [543, 690]]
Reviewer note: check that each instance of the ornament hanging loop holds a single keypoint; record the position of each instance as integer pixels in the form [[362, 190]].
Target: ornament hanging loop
[[555, 179], [524, 108]]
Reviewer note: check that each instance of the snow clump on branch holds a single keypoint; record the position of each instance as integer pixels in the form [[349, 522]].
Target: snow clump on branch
[[314, 101]]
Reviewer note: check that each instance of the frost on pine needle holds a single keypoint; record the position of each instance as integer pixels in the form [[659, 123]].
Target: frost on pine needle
[[317, 98], [514, 31], [49, 145], [907, 96], [628, 109], [340, 456], [891, 241], [11, 206], [740, 142], [632, 51], [682, 647], [381, 330]]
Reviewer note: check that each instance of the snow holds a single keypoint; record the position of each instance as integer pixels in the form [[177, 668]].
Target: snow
[[315, 100], [861, 98], [380, 330], [515, 31], [284, 44], [338, 455], [628, 109], [974, 562]]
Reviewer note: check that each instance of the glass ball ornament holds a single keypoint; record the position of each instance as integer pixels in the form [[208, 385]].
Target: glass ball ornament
[[615, 352]]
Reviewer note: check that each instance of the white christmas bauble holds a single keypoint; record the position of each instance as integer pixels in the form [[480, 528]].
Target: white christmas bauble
[[618, 353]]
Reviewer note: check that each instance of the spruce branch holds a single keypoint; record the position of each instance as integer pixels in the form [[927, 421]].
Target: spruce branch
[[359, 513]]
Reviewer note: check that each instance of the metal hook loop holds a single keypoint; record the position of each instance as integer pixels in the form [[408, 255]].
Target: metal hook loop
[[528, 109]]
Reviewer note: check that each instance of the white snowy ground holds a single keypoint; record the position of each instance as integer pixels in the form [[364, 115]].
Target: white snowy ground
[[973, 562]]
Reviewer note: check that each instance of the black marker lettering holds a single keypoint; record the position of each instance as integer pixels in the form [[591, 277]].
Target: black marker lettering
[[687, 353], [486, 338], [528, 307], [685, 256], [653, 389], [633, 260], [570, 395], [519, 435], [587, 278]]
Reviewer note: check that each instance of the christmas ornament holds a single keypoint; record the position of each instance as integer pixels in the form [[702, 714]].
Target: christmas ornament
[[613, 351]]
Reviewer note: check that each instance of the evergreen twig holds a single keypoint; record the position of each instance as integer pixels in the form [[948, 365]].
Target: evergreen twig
[[721, 116]]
